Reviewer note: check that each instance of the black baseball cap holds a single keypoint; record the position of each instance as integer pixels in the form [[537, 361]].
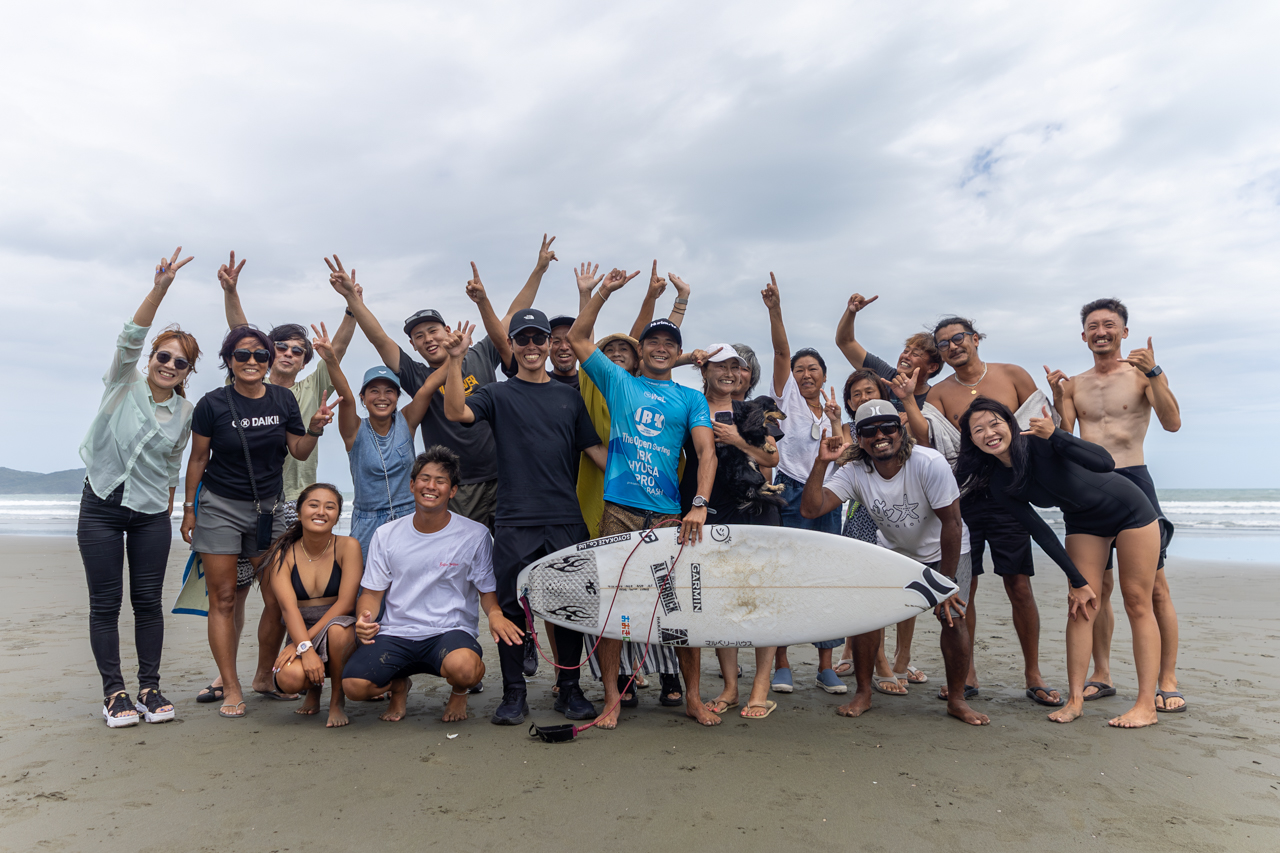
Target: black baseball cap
[[662, 324], [530, 318], [563, 320], [426, 315]]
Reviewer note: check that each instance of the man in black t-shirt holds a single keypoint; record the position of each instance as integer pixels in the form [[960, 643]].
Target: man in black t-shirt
[[427, 332], [540, 428]]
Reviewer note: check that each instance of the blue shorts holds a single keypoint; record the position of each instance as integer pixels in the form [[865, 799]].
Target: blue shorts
[[388, 658]]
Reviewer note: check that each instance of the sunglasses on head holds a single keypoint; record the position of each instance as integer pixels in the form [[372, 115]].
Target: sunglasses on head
[[259, 355], [956, 339], [888, 428], [282, 347], [164, 357], [523, 339]]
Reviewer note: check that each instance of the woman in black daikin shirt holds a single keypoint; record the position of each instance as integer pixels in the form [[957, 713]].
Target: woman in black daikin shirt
[[227, 525]]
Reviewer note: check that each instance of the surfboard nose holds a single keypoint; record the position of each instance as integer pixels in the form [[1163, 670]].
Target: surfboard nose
[[933, 587]]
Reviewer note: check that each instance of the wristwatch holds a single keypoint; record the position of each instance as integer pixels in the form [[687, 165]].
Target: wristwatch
[[316, 434], [700, 502], [1154, 372], [349, 314], [304, 646]]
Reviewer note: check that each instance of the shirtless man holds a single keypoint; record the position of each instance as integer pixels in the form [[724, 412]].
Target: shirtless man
[[988, 524], [1113, 401]]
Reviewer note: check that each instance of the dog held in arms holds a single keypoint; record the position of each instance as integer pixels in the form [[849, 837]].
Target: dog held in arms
[[740, 474]]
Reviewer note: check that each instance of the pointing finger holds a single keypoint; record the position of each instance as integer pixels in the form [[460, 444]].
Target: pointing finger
[[475, 273], [869, 301]]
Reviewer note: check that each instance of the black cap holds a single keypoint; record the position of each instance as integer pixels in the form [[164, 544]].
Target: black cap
[[530, 318], [662, 324], [562, 320], [426, 315]]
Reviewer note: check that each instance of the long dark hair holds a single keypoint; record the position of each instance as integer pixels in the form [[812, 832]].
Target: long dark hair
[[974, 465], [293, 534]]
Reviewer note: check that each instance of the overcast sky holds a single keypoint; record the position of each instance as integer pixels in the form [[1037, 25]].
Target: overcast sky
[[1008, 162]]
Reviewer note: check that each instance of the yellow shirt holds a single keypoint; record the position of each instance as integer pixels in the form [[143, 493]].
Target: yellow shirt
[[591, 478]]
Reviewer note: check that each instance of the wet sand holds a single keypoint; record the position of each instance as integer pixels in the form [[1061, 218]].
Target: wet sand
[[904, 776]]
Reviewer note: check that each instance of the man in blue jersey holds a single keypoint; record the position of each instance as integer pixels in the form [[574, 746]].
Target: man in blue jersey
[[650, 417]]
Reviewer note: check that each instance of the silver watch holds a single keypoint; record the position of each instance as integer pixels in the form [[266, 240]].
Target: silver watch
[[304, 646]]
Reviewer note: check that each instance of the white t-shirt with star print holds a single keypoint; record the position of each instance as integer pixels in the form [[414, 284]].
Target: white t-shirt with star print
[[902, 507]]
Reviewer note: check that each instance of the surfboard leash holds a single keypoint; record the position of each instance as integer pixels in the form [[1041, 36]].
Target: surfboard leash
[[567, 731]]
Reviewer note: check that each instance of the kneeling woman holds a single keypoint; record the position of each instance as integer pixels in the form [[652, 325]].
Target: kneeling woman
[[1050, 467], [317, 599]]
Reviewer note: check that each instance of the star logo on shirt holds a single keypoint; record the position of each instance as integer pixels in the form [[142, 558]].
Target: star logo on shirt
[[905, 510]]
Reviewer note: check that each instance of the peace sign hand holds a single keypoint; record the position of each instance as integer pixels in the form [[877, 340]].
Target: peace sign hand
[[166, 270], [770, 294], [1143, 359], [229, 273], [324, 415], [321, 343], [586, 276], [857, 302], [341, 280], [1041, 427], [546, 255], [831, 406]]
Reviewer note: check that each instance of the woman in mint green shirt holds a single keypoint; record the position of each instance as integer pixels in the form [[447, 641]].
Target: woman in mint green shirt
[[132, 454]]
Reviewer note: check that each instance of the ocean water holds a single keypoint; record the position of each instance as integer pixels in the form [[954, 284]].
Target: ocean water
[[1212, 524]]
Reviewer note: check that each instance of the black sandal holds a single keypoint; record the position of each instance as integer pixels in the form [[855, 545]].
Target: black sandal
[[209, 694], [670, 685], [151, 705], [625, 688]]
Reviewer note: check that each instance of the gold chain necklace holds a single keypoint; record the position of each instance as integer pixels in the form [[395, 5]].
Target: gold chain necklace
[[311, 559], [975, 385]]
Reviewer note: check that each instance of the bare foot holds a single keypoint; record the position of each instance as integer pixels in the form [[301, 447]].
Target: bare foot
[[1068, 712], [1135, 718], [857, 706], [700, 712], [399, 701], [961, 711], [609, 719], [337, 715], [455, 710], [311, 707], [944, 693]]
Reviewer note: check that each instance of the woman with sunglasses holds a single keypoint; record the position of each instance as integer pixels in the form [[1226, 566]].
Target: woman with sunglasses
[[132, 454], [245, 423], [797, 386], [1048, 467]]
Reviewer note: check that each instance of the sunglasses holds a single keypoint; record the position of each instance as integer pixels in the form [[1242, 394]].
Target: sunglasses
[[164, 357], [888, 428], [282, 347], [523, 339], [259, 355], [956, 339]]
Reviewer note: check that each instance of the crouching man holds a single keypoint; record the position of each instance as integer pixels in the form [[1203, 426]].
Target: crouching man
[[439, 567]]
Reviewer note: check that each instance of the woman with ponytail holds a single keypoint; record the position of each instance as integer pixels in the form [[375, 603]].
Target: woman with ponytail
[[132, 455], [315, 575]]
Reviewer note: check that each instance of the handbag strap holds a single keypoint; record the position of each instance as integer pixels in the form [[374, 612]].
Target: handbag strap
[[244, 445]]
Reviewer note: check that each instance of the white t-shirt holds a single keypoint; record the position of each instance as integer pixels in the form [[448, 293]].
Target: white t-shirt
[[435, 578], [902, 506], [798, 448]]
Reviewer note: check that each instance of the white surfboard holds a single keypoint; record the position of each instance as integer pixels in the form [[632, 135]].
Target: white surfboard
[[740, 586]]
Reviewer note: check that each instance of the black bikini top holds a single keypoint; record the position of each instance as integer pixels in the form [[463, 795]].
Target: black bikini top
[[330, 590]]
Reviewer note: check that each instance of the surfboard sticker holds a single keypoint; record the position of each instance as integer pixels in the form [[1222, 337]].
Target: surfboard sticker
[[661, 573], [673, 636], [607, 540], [935, 587], [695, 586], [568, 589], [720, 533]]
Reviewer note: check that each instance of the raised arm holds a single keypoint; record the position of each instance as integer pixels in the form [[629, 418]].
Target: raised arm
[[586, 280], [817, 500], [855, 352], [528, 293], [302, 446], [580, 332], [1159, 395], [346, 330], [778, 332], [455, 400], [345, 285], [165, 271], [229, 278], [657, 284], [682, 299], [417, 408], [348, 416], [493, 326]]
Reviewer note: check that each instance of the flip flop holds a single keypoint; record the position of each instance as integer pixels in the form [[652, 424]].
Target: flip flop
[[278, 696], [239, 716], [1032, 694], [847, 663], [209, 694], [1166, 695], [769, 706], [1103, 690], [877, 680], [913, 676], [969, 692], [715, 710]]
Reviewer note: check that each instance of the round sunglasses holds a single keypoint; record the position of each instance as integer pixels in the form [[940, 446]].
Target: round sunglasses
[[282, 347]]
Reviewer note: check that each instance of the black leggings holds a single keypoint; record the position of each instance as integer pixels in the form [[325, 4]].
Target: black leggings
[[107, 530]]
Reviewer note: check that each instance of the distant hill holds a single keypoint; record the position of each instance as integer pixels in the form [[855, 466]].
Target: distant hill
[[31, 483]]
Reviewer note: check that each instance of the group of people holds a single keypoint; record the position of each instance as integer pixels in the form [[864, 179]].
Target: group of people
[[587, 438]]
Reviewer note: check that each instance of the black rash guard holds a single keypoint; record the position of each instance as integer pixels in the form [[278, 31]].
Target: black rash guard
[[1077, 476]]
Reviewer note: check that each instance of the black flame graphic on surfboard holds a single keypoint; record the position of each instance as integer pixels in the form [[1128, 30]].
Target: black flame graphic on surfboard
[[933, 587]]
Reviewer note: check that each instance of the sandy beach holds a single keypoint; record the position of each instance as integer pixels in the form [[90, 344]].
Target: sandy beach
[[904, 776]]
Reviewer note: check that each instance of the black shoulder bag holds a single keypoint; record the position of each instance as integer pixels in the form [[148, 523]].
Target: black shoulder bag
[[265, 519]]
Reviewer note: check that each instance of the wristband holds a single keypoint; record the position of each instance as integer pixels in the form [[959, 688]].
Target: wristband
[[316, 434], [186, 505], [1153, 372], [349, 314], [681, 301]]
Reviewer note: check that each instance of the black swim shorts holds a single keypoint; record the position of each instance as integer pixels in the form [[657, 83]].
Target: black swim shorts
[[990, 524], [395, 657]]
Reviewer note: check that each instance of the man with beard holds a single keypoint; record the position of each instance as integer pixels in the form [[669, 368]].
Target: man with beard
[[1113, 402], [957, 342], [915, 504]]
